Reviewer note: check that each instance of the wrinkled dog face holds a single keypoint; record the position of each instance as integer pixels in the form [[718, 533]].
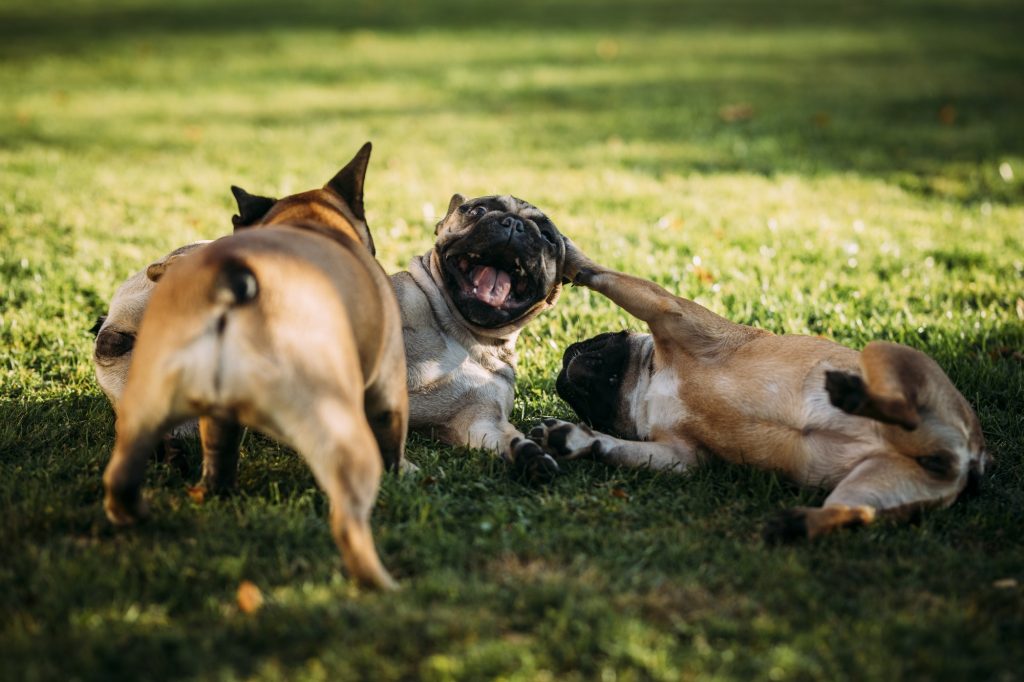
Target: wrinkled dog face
[[500, 257], [600, 376]]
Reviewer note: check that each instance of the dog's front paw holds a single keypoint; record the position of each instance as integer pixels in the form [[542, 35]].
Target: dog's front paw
[[566, 440], [578, 269], [531, 462], [125, 509]]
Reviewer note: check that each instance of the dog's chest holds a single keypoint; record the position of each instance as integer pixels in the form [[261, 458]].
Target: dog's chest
[[661, 408]]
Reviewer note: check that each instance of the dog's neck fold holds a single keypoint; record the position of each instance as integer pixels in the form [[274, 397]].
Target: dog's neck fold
[[426, 271]]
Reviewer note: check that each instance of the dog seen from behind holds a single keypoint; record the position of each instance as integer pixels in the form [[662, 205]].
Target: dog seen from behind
[[288, 326]]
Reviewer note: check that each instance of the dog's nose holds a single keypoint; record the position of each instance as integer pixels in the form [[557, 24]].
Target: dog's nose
[[512, 223]]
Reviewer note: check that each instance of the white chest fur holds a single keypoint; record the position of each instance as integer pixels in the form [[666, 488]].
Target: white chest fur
[[661, 407]]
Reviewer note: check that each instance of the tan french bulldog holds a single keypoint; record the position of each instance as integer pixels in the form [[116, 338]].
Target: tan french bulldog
[[883, 429], [289, 327]]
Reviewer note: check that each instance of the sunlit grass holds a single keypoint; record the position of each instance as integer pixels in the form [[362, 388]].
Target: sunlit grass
[[852, 171]]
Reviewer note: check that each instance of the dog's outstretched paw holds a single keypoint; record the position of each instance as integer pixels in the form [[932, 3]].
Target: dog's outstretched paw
[[531, 462], [786, 527], [566, 440]]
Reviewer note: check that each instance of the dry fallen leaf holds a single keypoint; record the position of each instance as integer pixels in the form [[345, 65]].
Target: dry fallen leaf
[[731, 113], [703, 274], [197, 493], [250, 599], [620, 493], [1005, 584], [947, 114], [821, 119]]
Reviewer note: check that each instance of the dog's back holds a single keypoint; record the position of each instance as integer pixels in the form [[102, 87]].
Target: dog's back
[[259, 307]]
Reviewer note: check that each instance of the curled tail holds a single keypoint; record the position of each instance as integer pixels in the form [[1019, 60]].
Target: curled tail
[[236, 284]]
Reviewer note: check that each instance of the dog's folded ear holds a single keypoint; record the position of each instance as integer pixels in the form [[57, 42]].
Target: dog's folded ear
[[157, 269], [348, 183], [456, 201], [895, 379], [251, 208]]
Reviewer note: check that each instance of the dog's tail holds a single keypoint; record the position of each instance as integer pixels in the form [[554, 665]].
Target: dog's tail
[[236, 284]]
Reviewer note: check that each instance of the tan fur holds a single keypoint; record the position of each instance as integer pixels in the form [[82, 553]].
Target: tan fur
[[314, 360], [904, 439]]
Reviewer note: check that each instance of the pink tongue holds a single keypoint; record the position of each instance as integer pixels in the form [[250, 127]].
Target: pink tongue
[[490, 285]]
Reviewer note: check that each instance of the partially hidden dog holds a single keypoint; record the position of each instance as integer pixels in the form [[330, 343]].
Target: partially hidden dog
[[288, 326], [883, 429], [115, 333], [496, 264]]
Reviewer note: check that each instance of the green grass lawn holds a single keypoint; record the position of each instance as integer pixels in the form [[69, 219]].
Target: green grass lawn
[[854, 170]]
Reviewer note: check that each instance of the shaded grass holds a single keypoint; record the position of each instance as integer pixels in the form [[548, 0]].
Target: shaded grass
[[863, 198]]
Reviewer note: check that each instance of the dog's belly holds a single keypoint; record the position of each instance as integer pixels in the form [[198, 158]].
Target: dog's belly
[[772, 422]]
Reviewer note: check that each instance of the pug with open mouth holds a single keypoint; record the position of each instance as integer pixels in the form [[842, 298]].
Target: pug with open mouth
[[496, 264]]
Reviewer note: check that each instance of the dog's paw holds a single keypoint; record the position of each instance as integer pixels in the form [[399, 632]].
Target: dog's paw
[[405, 467], [577, 268], [531, 462], [809, 523], [566, 440], [126, 509], [786, 527]]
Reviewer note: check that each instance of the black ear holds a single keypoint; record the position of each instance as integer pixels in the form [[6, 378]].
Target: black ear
[[348, 183], [250, 207], [456, 201], [99, 323]]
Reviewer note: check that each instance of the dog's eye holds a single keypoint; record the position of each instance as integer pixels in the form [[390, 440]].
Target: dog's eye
[[476, 211]]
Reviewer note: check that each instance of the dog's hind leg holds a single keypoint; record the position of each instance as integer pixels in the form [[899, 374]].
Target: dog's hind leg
[[340, 449], [387, 412], [220, 439], [884, 486]]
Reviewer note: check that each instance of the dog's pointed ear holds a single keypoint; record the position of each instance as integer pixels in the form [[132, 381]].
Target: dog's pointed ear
[[895, 378], [251, 208], [348, 183], [456, 201]]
